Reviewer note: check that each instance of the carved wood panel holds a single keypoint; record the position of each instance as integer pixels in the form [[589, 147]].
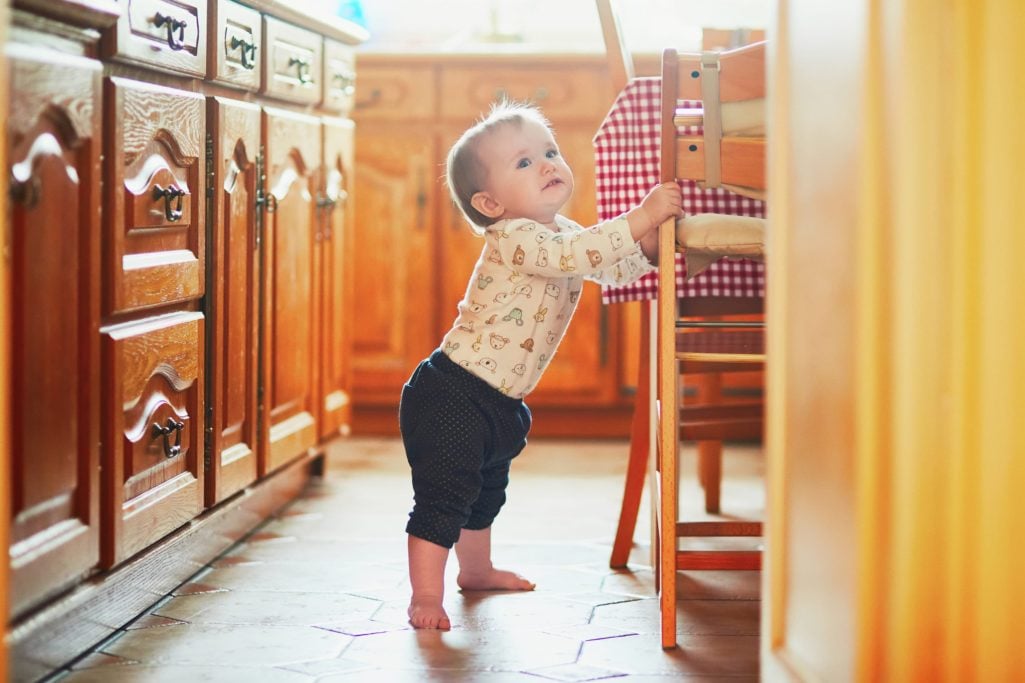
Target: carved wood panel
[[235, 298], [153, 429], [336, 281], [291, 271], [155, 195], [53, 147]]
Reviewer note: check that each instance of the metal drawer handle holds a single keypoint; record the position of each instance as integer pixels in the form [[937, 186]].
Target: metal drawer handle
[[170, 194], [303, 71], [346, 82], [248, 53], [376, 97], [172, 25], [25, 192], [175, 449]]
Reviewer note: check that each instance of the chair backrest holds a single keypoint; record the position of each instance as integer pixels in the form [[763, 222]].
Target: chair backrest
[[680, 82], [621, 64]]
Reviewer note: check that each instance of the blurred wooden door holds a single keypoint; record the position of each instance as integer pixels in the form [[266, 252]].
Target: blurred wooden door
[[335, 240], [894, 432]]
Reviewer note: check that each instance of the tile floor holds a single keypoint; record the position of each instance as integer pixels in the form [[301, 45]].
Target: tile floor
[[318, 594]]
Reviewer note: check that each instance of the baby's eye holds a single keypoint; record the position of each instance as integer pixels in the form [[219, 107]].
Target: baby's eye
[[523, 163], [551, 154]]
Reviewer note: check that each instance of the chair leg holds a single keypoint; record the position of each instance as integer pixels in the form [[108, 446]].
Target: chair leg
[[710, 452], [669, 514], [710, 473], [640, 444]]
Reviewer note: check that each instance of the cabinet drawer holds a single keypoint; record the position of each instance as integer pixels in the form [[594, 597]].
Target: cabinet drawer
[[293, 63], [236, 45], [166, 34], [562, 94], [154, 252], [155, 430], [396, 93], [339, 76]]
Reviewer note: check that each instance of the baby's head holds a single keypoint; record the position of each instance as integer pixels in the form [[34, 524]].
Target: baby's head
[[470, 161]]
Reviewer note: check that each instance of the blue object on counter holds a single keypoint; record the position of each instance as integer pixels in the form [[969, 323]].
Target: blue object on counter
[[351, 10]]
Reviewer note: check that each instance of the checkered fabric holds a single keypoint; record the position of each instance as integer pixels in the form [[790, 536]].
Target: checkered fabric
[[626, 152]]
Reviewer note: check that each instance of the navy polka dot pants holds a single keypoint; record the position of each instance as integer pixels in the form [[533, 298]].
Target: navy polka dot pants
[[460, 435]]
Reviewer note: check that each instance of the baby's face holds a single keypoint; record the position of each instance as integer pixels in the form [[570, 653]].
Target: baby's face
[[526, 173]]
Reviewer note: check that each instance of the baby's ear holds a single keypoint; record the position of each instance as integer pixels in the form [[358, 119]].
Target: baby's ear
[[486, 204]]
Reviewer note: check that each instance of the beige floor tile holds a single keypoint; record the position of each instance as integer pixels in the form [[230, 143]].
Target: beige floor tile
[[696, 655], [698, 617], [292, 574], [266, 608], [376, 675], [228, 645], [186, 674], [463, 650]]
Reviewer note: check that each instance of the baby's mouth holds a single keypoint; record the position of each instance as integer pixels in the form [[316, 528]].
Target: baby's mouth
[[552, 183]]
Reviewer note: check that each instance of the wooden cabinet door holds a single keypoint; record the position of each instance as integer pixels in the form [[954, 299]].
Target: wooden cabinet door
[[152, 430], [155, 195], [234, 301], [336, 255], [53, 147], [397, 186], [291, 271]]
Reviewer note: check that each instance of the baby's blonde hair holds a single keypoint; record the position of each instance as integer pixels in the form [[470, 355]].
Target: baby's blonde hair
[[465, 173]]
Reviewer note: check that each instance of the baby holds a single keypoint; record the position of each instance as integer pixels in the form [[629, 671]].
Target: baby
[[462, 413]]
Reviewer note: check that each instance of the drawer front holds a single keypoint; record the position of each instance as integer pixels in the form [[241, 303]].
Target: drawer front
[[294, 62], [156, 428], [166, 34], [395, 93], [155, 246], [339, 76], [236, 45], [562, 94]]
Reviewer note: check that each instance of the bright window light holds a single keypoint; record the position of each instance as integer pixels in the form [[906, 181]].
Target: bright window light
[[552, 26]]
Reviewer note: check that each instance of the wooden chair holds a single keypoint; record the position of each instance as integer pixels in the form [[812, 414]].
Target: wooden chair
[[621, 63], [731, 86], [686, 346], [621, 70]]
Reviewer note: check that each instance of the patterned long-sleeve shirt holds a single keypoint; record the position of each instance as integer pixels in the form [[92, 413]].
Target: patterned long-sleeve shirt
[[524, 290]]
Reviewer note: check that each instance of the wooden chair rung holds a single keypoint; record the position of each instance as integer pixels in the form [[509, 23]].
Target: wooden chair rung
[[721, 430], [722, 411], [726, 529], [718, 559]]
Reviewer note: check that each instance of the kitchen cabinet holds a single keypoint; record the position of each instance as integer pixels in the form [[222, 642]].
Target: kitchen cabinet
[[181, 279], [416, 252]]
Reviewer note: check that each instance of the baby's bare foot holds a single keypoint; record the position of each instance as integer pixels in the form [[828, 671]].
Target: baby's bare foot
[[428, 613], [493, 580]]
